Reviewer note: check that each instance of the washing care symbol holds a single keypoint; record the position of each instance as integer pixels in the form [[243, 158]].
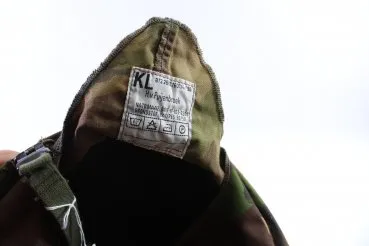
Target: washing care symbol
[[182, 129], [167, 128], [152, 125], [135, 121]]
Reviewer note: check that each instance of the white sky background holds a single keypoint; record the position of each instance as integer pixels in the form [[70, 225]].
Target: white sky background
[[294, 77]]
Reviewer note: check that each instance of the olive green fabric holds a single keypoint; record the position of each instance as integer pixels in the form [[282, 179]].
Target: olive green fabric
[[237, 215], [55, 194], [164, 45]]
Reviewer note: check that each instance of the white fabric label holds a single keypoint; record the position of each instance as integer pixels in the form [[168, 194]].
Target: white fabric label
[[158, 112]]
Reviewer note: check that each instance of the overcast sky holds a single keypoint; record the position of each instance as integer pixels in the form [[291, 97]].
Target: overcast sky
[[294, 77]]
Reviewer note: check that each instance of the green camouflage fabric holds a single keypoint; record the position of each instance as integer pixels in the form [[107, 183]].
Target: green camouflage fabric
[[237, 216], [164, 46]]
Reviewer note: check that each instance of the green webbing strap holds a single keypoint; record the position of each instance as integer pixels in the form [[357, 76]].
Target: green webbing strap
[[55, 193]]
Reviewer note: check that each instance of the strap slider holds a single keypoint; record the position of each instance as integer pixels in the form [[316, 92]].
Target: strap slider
[[30, 154]]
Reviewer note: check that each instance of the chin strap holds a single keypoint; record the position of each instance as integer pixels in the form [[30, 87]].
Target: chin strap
[[36, 164], [69, 207]]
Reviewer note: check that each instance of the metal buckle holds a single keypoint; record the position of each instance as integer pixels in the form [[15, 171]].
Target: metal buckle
[[30, 154]]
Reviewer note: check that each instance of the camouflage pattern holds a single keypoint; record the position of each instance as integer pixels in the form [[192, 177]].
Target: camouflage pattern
[[237, 215], [163, 45]]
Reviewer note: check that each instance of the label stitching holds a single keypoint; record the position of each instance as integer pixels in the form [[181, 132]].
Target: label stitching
[[168, 151], [155, 141]]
